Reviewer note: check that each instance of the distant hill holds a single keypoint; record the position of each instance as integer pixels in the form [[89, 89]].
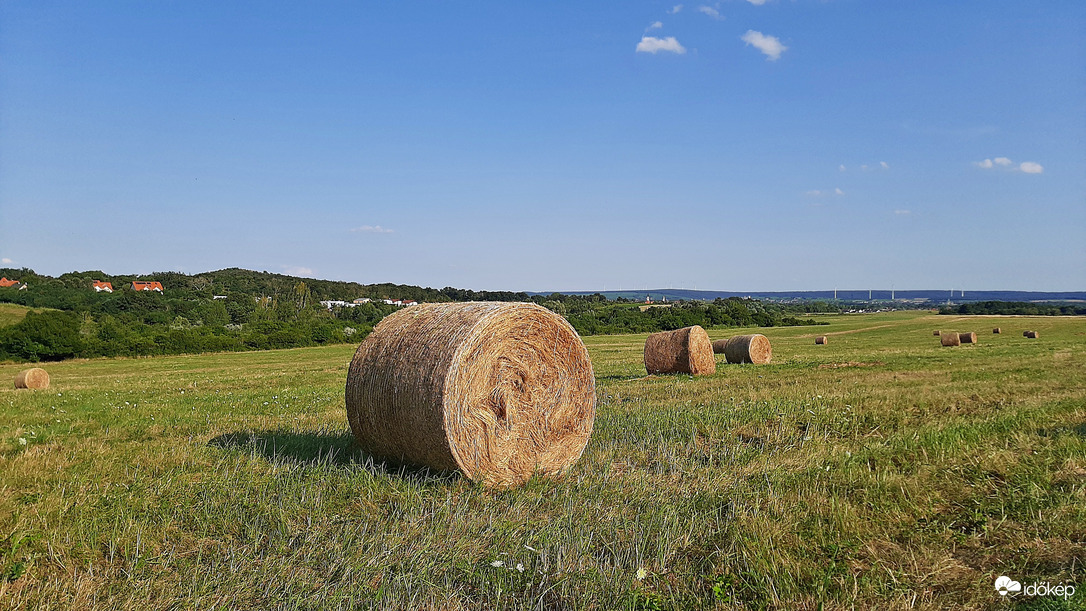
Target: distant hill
[[934, 296]]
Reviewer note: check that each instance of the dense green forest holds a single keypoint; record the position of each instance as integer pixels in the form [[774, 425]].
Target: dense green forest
[[1023, 308], [235, 309]]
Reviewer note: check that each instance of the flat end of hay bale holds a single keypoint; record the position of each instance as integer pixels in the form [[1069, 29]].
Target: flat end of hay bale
[[33, 379], [686, 350]]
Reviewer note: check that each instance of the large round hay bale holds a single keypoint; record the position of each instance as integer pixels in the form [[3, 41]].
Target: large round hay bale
[[936, 333], [719, 345], [1032, 334], [497, 391], [686, 350], [968, 338], [748, 349], [34, 378], [822, 339], [997, 330], [950, 339]]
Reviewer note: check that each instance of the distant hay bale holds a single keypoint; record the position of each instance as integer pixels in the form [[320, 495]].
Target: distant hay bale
[[936, 333], [719, 345], [968, 338], [34, 379], [1026, 333], [498, 391], [686, 350], [950, 339], [1032, 334], [748, 349], [997, 330], [822, 339]]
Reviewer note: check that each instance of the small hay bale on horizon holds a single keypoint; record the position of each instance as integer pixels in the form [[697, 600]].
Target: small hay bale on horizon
[[498, 391], [950, 339], [1032, 334], [754, 348], [997, 330], [686, 350], [33, 379], [821, 340], [936, 333], [719, 345]]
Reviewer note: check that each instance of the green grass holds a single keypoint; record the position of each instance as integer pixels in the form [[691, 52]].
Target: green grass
[[11, 313], [878, 471]]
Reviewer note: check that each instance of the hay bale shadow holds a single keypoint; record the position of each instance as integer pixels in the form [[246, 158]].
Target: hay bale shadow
[[321, 449]]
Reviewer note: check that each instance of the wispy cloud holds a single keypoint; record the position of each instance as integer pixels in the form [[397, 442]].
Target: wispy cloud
[[884, 165], [372, 229], [757, 2], [842, 167], [675, 9], [6, 260], [838, 191], [826, 193], [1029, 167], [651, 44], [902, 212], [769, 45], [656, 25], [710, 11], [295, 270]]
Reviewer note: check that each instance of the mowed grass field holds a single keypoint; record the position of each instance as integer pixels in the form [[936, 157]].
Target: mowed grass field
[[880, 471]]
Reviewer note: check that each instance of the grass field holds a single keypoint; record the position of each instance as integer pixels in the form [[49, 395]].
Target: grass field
[[879, 471], [11, 313]]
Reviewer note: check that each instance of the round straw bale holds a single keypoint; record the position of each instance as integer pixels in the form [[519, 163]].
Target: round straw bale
[[686, 350], [34, 378], [498, 391], [719, 345], [968, 338], [950, 339], [997, 330], [1032, 334], [936, 333], [748, 349], [822, 339]]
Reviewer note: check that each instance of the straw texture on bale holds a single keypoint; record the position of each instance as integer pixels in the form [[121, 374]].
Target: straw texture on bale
[[498, 391], [997, 330], [686, 350], [719, 345], [748, 349], [821, 339], [968, 338], [34, 378], [950, 339], [1032, 334]]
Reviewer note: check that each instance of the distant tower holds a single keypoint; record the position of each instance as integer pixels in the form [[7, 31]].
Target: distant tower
[[835, 294], [869, 294]]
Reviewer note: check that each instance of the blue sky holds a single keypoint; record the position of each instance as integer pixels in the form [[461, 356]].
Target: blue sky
[[736, 145]]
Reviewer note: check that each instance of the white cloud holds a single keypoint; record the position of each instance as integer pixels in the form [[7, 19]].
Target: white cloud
[[294, 270], [651, 44], [656, 25], [986, 164], [371, 229], [757, 2], [710, 11], [1030, 167], [884, 165], [838, 191], [1003, 161], [675, 9], [6, 260], [903, 212], [814, 193], [770, 45], [842, 167]]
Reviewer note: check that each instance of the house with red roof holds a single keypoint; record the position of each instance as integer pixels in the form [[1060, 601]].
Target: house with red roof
[[103, 286], [147, 286], [5, 283]]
